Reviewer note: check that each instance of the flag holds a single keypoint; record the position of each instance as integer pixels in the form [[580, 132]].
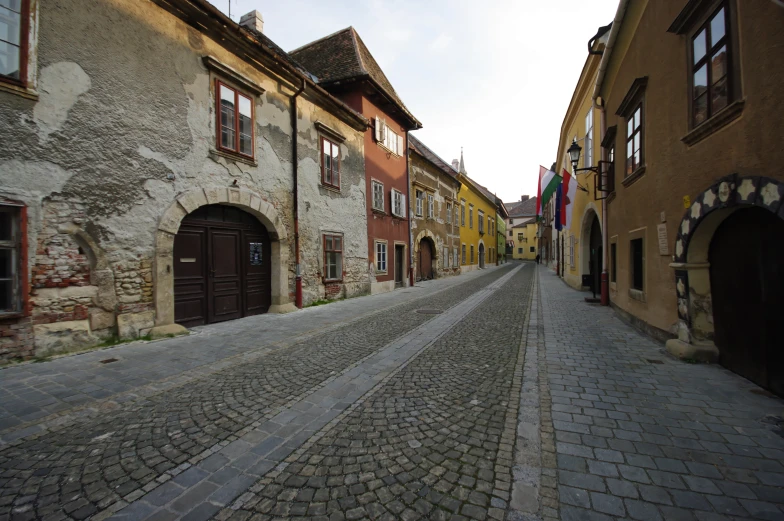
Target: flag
[[558, 203], [567, 201], [548, 180]]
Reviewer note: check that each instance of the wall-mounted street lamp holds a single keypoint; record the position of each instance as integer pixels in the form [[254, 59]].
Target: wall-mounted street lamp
[[574, 155]]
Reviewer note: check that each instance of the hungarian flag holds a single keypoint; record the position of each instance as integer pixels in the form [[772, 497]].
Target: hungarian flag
[[567, 201], [548, 180]]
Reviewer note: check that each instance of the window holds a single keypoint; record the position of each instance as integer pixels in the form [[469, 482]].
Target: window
[[711, 69], [462, 213], [613, 262], [481, 222], [378, 196], [571, 251], [430, 206], [449, 213], [519, 250], [333, 257], [511, 233], [455, 263], [398, 204], [446, 257], [490, 224], [634, 145], [511, 221], [10, 244], [235, 121], [388, 138], [471, 216], [455, 216], [637, 264], [520, 237], [472, 254], [588, 157], [420, 201], [533, 249], [464, 254], [330, 163], [14, 16], [381, 257]]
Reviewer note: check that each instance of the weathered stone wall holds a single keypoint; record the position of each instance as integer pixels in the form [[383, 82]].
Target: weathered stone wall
[[116, 136]]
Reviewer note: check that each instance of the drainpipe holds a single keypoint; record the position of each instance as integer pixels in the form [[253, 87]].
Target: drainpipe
[[605, 298], [408, 217], [295, 167]]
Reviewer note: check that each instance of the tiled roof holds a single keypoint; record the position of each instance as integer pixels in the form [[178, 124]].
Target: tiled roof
[[422, 149], [342, 56], [522, 208]]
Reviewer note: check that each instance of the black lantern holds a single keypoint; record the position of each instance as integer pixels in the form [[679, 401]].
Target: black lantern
[[574, 154]]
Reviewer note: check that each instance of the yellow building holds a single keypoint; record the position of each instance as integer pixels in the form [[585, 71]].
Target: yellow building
[[580, 244], [524, 240], [476, 213]]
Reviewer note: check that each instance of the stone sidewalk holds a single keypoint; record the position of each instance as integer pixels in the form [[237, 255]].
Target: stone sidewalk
[[34, 396], [641, 435]]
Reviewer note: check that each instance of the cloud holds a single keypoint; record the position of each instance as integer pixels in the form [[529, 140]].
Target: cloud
[[441, 42]]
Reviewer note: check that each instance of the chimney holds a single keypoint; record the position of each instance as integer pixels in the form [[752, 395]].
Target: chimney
[[524, 198], [455, 164], [253, 20]]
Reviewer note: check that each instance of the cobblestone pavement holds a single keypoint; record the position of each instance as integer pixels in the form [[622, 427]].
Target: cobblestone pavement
[[640, 435], [81, 468], [433, 441]]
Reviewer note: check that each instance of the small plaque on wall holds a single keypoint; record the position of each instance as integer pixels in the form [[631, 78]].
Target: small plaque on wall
[[663, 243]]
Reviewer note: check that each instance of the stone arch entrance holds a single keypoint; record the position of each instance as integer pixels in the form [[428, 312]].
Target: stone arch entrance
[[591, 223], [428, 240], [697, 230], [481, 255], [169, 225]]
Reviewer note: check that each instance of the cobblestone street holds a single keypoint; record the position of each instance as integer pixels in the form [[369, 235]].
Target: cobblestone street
[[471, 397]]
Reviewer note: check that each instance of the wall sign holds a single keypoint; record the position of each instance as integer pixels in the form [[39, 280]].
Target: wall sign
[[663, 243], [255, 254]]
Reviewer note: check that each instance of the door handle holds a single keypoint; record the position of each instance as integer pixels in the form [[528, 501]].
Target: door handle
[[212, 272]]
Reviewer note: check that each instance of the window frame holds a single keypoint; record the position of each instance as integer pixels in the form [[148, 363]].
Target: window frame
[[472, 254], [588, 156], [463, 213], [632, 270], [419, 196], [24, 48], [463, 255], [333, 236], [398, 194], [532, 249], [471, 216], [449, 213], [373, 184], [237, 93], [630, 138], [333, 145], [376, 256], [431, 206], [16, 244], [481, 221]]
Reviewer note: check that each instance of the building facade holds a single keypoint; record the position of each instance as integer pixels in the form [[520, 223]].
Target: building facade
[[477, 213], [522, 241], [500, 231], [432, 206], [344, 66], [695, 209], [177, 198]]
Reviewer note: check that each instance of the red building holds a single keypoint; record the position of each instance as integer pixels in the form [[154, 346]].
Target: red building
[[344, 66]]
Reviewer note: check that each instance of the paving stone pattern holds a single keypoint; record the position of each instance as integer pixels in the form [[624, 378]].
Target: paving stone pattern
[[641, 435], [80, 469], [433, 441]]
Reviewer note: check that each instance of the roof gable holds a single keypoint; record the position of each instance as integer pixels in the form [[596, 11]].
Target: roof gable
[[420, 148], [522, 208]]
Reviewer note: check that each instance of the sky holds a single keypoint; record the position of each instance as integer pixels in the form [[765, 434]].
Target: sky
[[493, 77]]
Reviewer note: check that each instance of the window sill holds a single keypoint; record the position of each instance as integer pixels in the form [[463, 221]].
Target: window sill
[[390, 152], [7, 315], [333, 281], [379, 212], [18, 90], [634, 176], [331, 188], [233, 157], [381, 272], [636, 294], [724, 117]]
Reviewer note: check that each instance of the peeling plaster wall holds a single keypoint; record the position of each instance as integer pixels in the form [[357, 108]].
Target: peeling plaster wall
[[123, 125]]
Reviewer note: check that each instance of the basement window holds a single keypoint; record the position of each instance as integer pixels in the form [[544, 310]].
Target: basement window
[[235, 121], [10, 242], [637, 264]]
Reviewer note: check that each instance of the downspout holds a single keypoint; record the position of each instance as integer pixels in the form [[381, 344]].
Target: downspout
[[616, 27], [408, 216], [295, 168]]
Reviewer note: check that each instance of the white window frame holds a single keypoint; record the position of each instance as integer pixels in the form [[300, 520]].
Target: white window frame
[[388, 138], [420, 198], [471, 216], [588, 157], [449, 213], [456, 258], [431, 206], [398, 203], [462, 213], [481, 221], [381, 256], [377, 188]]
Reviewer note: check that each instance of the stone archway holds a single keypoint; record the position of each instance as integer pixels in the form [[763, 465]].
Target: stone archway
[[426, 235], [692, 269], [590, 213], [169, 224]]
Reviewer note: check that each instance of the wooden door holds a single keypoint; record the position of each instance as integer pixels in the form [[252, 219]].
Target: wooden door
[[425, 260], [481, 255], [595, 258], [258, 272], [190, 275], [399, 264], [225, 281], [747, 293]]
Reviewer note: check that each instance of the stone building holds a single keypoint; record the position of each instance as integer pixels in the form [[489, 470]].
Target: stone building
[[164, 179], [344, 66], [434, 227], [695, 210]]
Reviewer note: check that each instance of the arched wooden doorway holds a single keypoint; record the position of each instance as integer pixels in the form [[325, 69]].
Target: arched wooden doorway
[[595, 256], [222, 266], [481, 255], [747, 286], [425, 261]]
